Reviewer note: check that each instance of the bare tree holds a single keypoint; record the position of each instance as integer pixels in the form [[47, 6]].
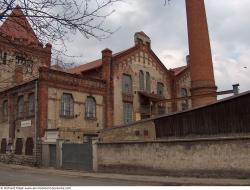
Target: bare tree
[[53, 20]]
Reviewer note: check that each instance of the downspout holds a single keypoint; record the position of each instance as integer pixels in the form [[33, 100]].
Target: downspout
[[36, 120]]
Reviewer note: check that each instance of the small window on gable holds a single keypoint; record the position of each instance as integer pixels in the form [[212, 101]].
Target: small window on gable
[[31, 104], [67, 105], [20, 106], [126, 84], [148, 82], [5, 109], [141, 80], [90, 108], [160, 89]]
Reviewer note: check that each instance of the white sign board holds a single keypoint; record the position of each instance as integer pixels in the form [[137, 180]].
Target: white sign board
[[26, 123]]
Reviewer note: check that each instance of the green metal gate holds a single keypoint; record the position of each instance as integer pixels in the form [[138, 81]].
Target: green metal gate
[[52, 150], [77, 156]]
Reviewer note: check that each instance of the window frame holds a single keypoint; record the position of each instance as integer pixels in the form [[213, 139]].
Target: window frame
[[141, 81], [160, 88], [127, 112], [125, 89], [148, 82], [5, 109], [90, 108], [67, 105], [31, 112], [20, 106], [184, 103]]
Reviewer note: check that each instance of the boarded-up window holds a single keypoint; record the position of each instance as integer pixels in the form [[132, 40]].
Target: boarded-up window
[[3, 146], [126, 84], [5, 109], [19, 146], [127, 112], [29, 145], [90, 107], [141, 80], [148, 82], [67, 105], [160, 89], [31, 104], [20, 106]]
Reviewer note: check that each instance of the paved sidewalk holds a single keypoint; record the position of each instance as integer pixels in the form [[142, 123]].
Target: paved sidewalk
[[162, 180]]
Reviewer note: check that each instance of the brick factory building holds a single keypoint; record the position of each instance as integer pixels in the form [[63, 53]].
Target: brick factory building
[[40, 103]]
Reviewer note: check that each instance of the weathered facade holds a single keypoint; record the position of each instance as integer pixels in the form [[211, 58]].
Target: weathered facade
[[41, 104]]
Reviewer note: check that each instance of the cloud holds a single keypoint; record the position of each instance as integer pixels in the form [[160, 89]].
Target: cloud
[[229, 28]]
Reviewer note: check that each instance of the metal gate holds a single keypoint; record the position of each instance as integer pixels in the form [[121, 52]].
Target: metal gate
[[52, 150], [77, 156]]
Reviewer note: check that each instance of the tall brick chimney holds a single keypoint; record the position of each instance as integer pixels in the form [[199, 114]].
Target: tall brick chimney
[[107, 76], [201, 64]]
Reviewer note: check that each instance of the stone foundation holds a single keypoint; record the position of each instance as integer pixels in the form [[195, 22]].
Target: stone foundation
[[18, 159]]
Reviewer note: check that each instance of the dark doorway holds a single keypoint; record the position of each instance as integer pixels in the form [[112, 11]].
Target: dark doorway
[[3, 146]]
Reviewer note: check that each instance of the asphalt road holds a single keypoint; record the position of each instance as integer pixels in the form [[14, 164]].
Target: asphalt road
[[34, 177]]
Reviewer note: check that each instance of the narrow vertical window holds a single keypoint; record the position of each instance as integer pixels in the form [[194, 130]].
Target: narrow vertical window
[[31, 104], [127, 112], [90, 108], [67, 105], [4, 58], [184, 104], [5, 110], [160, 89], [126, 84], [20, 106], [141, 80], [148, 82]]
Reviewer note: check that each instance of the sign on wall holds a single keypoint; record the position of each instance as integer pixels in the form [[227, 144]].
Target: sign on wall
[[26, 123]]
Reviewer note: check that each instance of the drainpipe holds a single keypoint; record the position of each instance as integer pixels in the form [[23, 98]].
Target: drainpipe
[[36, 121]]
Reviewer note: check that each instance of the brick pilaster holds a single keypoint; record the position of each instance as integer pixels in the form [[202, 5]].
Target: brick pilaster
[[107, 75]]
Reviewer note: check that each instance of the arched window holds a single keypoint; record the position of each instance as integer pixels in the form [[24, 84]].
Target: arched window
[[19, 146], [29, 145], [126, 84], [20, 106], [148, 82], [90, 108], [67, 105], [31, 104], [184, 103], [5, 109], [160, 89], [141, 80], [3, 146]]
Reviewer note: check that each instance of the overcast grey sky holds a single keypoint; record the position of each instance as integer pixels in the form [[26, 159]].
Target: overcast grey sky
[[229, 27]]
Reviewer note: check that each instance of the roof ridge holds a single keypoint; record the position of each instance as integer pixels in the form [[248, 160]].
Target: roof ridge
[[17, 26]]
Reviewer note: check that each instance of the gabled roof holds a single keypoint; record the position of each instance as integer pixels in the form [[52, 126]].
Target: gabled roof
[[179, 70], [86, 67], [94, 64], [17, 26]]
